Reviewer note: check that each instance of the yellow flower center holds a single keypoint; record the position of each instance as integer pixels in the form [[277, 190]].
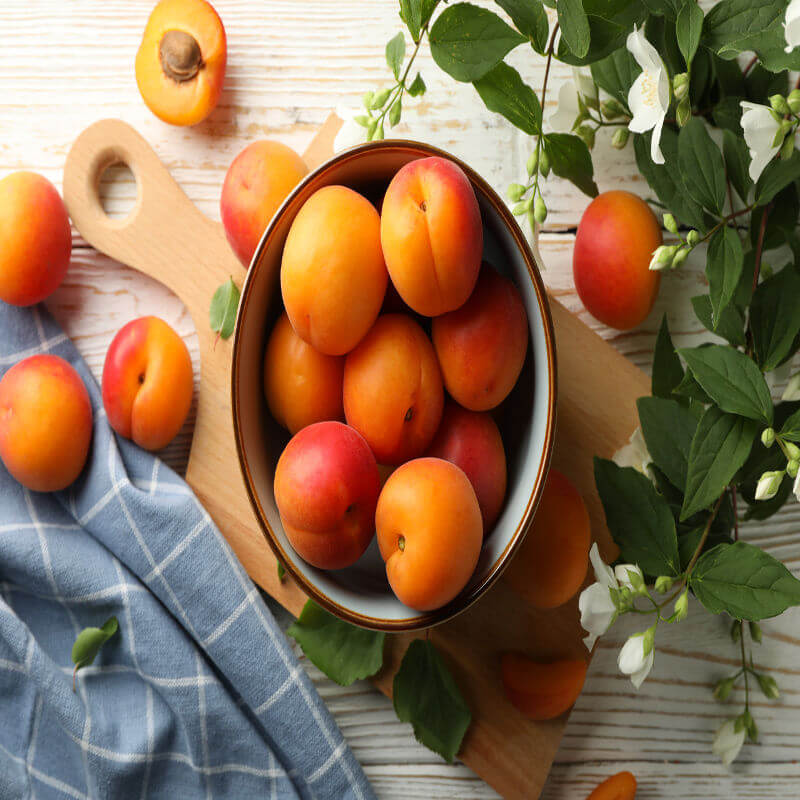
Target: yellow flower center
[[649, 89]]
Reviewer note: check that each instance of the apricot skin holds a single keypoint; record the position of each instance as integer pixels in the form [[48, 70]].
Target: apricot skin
[[429, 532], [481, 346], [147, 383], [539, 690], [35, 239], [45, 423], [258, 180], [621, 786], [551, 564], [610, 263], [432, 235], [333, 278], [471, 441], [393, 393]]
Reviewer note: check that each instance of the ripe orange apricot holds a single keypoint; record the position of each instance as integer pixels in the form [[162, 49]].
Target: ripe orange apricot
[[621, 786], [481, 346], [542, 690], [302, 385], [610, 263], [432, 235], [258, 180], [551, 564], [35, 239], [45, 423], [393, 393], [147, 382], [430, 532], [333, 277], [180, 65]]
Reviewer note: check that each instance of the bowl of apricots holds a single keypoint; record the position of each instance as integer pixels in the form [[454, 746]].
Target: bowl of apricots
[[394, 385]]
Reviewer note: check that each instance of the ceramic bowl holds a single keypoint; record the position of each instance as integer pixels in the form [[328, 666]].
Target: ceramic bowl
[[361, 594]]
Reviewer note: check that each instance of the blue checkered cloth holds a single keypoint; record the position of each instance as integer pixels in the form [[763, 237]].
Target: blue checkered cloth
[[199, 694]]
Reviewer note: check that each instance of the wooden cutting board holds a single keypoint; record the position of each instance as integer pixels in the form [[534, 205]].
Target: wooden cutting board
[[167, 238]]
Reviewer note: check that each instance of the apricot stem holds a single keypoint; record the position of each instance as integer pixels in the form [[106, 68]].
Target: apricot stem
[[180, 56], [401, 543]]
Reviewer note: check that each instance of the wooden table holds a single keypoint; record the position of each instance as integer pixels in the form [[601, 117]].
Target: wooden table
[[64, 65]]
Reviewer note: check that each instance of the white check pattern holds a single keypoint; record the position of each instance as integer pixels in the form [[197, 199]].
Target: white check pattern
[[199, 695]]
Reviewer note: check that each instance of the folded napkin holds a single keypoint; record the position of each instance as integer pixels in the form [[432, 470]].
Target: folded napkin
[[198, 694]]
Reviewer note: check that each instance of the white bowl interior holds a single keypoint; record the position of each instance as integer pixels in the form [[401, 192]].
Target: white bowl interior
[[362, 589]]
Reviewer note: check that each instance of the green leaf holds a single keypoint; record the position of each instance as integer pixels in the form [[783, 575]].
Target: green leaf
[[667, 369], [616, 74], [224, 304], [781, 223], [426, 695], [774, 317], [688, 29], [732, 380], [727, 114], [737, 163], [691, 389], [638, 517], [417, 86], [790, 429], [664, 8], [723, 268], [530, 19], [88, 643], [570, 159], [344, 652], [415, 14], [396, 53], [744, 582], [610, 22], [701, 165], [468, 41], [730, 324], [720, 446], [668, 429], [504, 92], [574, 26], [764, 509], [777, 175]]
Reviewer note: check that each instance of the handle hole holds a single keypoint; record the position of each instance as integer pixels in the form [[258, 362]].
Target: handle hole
[[117, 190]]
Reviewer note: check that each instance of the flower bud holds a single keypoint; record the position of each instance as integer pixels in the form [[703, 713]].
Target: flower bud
[[769, 686], [793, 101], [515, 191], [787, 148], [768, 437], [723, 688], [539, 210], [792, 450], [779, 104], [679, 257], [533, 162], [379, 99], [663, 584], [681, 610], [373, 124], [620, 138], [755, 631], [692, 238], [367, 99], [544, 163], [662, 257], [520, 208], [736, 630], [768, 484], [792, 467], [752, 730], [680, 85], [612, 108], [630, 576], [670, 223], [683, 112]]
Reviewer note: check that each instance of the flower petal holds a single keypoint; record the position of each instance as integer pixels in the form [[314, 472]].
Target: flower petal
[[655, 142], [603, 573]]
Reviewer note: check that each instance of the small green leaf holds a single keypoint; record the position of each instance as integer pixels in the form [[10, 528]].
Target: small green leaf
[[668, 429], [791, 428], [744, 582], [667, 369], [344, 652], [616, 74], [224, 304], [732, 380], [530, 19], [776, 176], [417, 86], [701, 165], [774, 318], [396, 53], [723, 268], [570, 159], [415, 14], [426, 695], [737, 162], [691, 390], [89, 642], [281, 572], [730, 325], [688, 29], [574, 26], [504, 92]]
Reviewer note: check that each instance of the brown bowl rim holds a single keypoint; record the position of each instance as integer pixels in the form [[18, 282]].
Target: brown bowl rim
[[464, 600]]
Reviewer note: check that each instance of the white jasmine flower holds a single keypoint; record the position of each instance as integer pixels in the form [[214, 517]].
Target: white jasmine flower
[[351, 133], [629, 575], [791, 25], [567, 110], [636, 658], [768, 485], [634, 454], [595, 603], [728, 742], [796, 487], [648, 98], [585, 83], [759, 128]]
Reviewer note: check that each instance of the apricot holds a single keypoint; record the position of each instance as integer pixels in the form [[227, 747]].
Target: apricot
[[180, 64], [258, 180], [432, 235], [542, 690], [326, 489], [333, 277], [147, 383], [36, 239], [45, 423], [551, 564], [621, 786], [393, 393], [430, 532], [481, 346], [471, 441], [302, 385], [610, 263]]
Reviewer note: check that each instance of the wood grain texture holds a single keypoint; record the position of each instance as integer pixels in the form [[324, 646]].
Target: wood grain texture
[[66, 65]]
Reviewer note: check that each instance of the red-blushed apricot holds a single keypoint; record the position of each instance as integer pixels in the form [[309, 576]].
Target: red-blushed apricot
[[542, 690], [471, 441], [147, 383], [326, 489], [302, 385], [333, 277], [482, 345], [429, 532], [393, 393], [35, 239], [45, 423], [180, 65], [258, 180], [550, 566], [621, 786], [610, 263], [432, 235]]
